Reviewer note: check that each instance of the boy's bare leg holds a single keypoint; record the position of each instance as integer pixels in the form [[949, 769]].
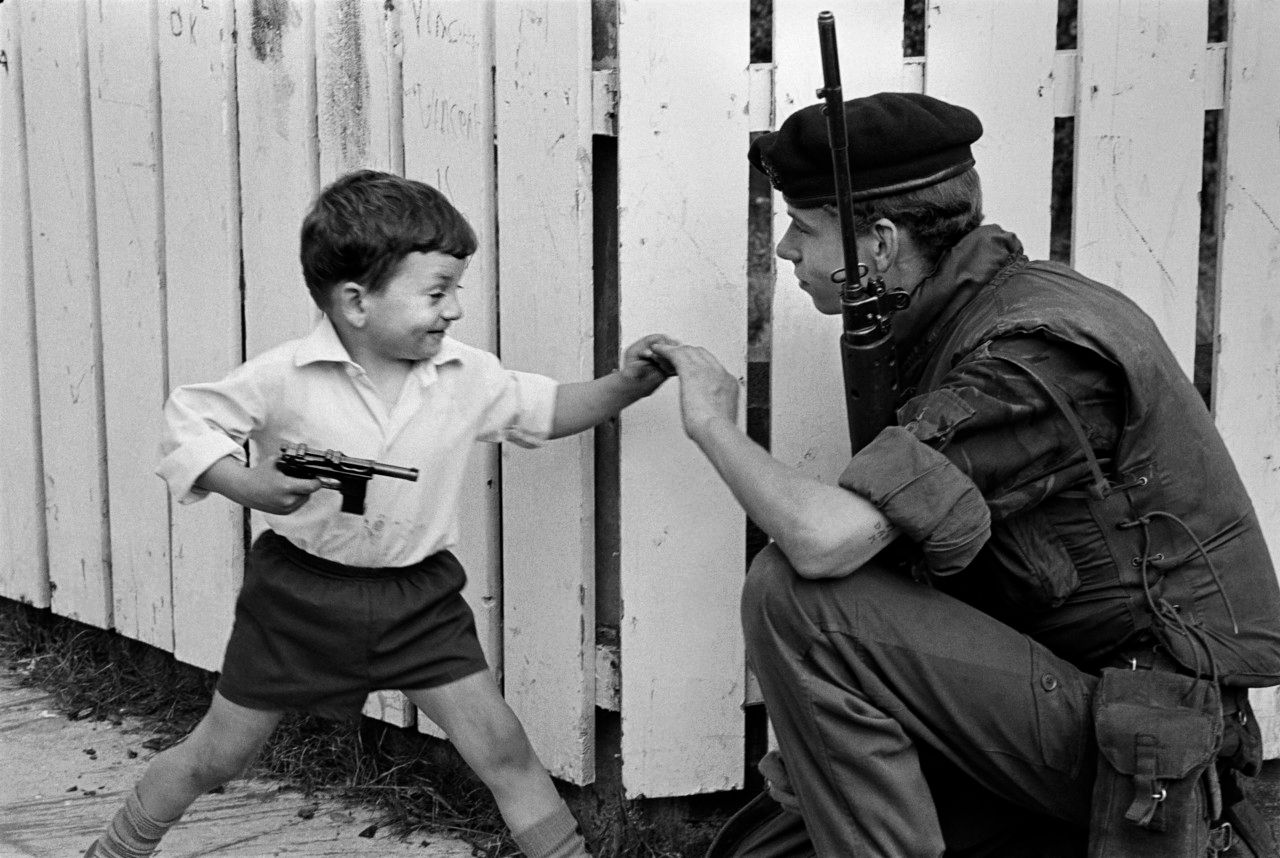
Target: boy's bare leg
[[487, 734], [221, 746]]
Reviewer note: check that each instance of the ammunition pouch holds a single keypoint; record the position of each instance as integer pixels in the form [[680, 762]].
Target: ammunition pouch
[[1156, 790]]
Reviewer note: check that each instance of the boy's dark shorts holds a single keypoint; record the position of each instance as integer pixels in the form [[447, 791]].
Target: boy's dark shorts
[[318, 636]]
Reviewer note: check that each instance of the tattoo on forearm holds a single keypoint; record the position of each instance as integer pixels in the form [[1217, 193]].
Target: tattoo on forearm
[[881, 533]]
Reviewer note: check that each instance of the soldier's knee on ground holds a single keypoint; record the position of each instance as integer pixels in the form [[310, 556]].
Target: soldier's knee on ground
[[769, 605]]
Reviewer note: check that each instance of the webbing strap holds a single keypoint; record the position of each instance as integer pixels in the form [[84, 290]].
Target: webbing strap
[[1147, 792], [1101, 486]]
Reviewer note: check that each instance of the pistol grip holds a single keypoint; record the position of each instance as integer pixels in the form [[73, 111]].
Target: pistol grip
[[353, 491]]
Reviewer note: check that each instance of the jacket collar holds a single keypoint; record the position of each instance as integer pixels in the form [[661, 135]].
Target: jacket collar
[[975, 261]]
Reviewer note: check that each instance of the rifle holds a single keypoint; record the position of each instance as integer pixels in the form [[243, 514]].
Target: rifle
[[866, 346], [353, 475]]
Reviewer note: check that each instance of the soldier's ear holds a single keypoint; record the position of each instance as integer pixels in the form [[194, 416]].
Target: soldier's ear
[[888, 245]]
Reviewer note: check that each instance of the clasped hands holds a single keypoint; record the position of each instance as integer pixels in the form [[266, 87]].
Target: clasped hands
[[708, 392]]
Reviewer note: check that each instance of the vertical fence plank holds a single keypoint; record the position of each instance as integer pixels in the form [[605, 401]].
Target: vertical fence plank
[[1246, 383], [24, 568], [202, 265], [448, 143], [358, 123], [808, 410], [68, 336], [276, 94], [682, 186], [358, 100], [543, 57], [124, 100], [1138, 155], [1015, 153]]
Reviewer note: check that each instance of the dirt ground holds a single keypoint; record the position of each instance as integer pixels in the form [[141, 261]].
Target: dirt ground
[[61, 781]]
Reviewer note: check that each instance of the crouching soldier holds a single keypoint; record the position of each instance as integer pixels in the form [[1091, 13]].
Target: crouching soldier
[[1026, 620]]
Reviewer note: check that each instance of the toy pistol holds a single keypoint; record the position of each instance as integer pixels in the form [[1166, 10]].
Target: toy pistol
[[353, 475]]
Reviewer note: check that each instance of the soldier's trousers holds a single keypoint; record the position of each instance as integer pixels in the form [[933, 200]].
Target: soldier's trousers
[[910, 723]]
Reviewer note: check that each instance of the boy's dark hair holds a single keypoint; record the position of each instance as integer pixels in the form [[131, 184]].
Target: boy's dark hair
[[937, 216], [363, 224]]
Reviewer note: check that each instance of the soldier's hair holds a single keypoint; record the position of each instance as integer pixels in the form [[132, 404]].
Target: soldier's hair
[[937, 216], [362, 225]]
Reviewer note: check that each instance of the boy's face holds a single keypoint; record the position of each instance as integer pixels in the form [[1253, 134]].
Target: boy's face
[[812, 244], [407, 318]]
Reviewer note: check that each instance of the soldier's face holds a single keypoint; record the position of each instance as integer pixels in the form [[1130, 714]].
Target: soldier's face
[[812, 244]]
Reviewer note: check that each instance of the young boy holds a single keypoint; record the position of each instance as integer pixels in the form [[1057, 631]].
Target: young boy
[[336, 605]]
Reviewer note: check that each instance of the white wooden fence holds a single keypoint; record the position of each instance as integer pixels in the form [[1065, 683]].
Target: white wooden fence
[[156, 157]]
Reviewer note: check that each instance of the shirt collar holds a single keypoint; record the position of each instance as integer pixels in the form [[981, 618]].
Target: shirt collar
[[322, 345]]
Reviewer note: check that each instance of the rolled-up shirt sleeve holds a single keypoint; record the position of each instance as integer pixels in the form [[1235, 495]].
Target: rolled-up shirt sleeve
[[205, 423], [987, 444], [521, 409], [927, 497]]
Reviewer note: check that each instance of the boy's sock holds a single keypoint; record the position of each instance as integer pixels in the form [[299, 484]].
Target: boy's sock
[[132, 834], [554, 836]]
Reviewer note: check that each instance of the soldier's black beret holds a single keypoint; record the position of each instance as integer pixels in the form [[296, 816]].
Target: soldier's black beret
[[898, 141]]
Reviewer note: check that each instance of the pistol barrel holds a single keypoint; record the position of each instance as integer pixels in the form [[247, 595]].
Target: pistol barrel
[[410, 474]]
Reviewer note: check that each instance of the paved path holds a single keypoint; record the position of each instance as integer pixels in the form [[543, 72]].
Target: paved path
[[61, 781]]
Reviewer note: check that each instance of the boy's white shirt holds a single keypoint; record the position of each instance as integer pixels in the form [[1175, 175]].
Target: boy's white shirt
[[309, 391]]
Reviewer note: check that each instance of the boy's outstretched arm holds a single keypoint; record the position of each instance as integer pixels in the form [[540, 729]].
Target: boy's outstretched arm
[[582, 404]]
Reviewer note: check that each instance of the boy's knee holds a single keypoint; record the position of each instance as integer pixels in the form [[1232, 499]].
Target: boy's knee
[[503, 748], [213, 767]]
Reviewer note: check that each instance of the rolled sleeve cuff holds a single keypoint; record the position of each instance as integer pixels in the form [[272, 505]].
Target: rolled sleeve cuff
[[184, 465], [924, 495], [536, 414]]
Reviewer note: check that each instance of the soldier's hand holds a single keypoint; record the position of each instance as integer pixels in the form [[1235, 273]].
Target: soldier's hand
[[642, 366], [707, 390]]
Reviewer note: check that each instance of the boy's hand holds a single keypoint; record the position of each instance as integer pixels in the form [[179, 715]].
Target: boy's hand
[[707, 390], [262, 487], [643, 366]]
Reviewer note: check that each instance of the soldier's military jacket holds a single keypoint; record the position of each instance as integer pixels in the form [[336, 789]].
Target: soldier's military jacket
[[1114, 517]]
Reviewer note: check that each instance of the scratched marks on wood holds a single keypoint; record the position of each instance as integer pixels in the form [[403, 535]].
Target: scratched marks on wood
[[1246, 383], [543, 61], [268, 20], [1138, 156], [125, 105], [276, 106], [682, 557], [343, 80], [202, 272], [1015, 153], [65, 265], [359, 86], [24, 571]]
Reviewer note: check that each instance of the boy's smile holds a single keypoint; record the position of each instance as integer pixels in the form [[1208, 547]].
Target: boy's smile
[[407, 318]]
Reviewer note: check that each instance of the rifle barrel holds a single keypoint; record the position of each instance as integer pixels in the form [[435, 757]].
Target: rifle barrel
[[833, 93]]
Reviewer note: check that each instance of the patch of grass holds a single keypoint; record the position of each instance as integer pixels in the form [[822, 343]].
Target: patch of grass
[[419, 785], [96, 674]]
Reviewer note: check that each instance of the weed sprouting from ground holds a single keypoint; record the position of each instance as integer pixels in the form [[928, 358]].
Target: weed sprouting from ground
[[418, 784]]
